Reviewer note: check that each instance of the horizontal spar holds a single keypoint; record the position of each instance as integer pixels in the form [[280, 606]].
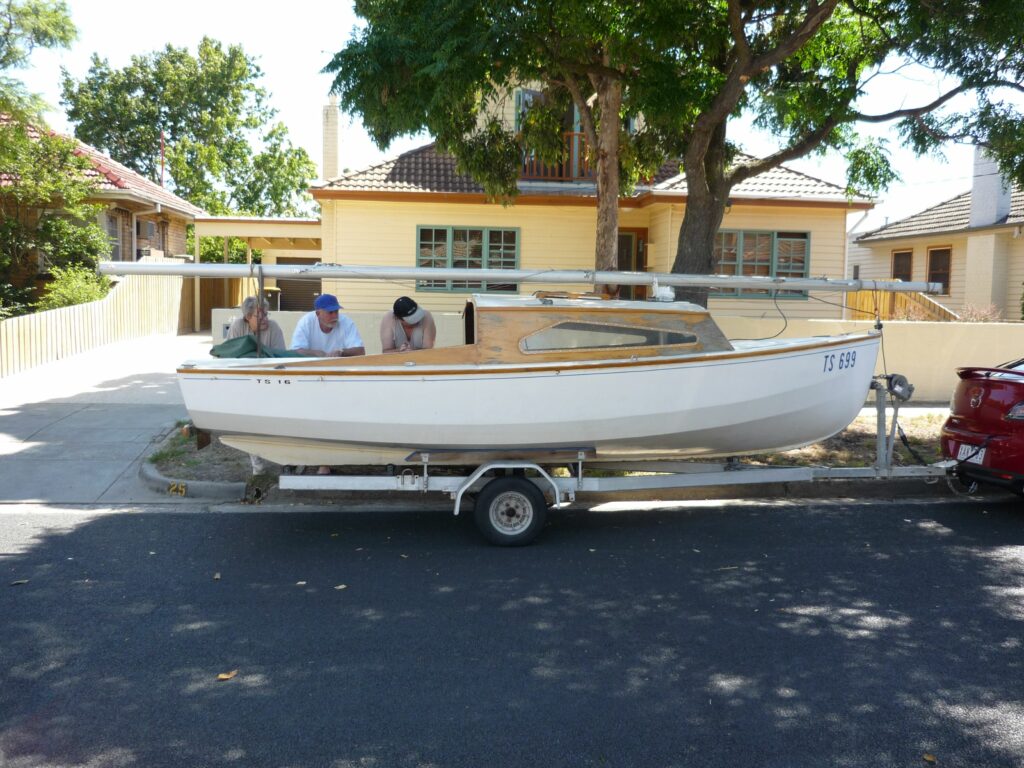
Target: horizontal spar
[[584, 276]]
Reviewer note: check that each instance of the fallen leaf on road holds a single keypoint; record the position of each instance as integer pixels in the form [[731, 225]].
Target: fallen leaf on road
[[227, 675], [929, 758], [19, 582]]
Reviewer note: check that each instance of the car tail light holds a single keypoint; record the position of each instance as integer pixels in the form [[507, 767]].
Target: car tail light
[[1016, 413]]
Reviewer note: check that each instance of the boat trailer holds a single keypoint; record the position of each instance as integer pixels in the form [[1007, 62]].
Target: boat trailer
[[512, 490]]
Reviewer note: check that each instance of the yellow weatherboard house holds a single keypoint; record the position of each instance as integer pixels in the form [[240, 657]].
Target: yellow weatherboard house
[[418, 210]]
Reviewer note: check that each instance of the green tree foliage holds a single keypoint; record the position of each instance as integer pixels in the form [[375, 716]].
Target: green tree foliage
[[24, 26], [223, 150], [450, 67], [43, 210], [73, 285], [690, 68]]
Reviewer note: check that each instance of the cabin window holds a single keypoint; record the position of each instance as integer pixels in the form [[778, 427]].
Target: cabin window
[[902, 265], [762, 254], [577, 335], [467, 248], [938, 267]]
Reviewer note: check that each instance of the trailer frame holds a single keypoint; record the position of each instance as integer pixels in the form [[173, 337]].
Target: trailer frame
[[516, 513]]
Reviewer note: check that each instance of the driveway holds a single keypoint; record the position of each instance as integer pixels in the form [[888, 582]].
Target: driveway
[[76, 430]]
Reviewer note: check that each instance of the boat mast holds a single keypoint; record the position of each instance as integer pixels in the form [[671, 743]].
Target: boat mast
[[578, 276]]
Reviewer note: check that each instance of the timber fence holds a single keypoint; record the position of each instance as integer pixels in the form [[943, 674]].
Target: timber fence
[[137, 306]]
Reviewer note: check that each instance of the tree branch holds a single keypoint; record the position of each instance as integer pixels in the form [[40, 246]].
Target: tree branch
[[816, 16], [586, 116], [797, 149], [925, 109], [744, 67]]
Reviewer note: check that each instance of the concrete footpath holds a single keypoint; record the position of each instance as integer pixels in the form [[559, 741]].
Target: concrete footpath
[[79, 431]]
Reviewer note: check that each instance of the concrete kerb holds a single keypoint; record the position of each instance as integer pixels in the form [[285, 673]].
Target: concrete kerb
[[211, 490]]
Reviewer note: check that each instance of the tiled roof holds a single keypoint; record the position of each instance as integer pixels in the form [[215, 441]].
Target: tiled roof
[[779, 183], [951, 216], [420, 170], [113, 177], [428, 170]]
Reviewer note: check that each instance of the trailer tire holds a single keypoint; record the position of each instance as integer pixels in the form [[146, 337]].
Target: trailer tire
[[510, 511]]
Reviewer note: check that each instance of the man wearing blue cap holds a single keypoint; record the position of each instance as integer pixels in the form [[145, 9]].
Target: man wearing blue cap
[[325, 333]]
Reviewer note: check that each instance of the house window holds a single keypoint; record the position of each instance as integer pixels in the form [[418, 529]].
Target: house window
[[902, 265], [113, 227], [856, 271], [761, 254], [467, 248], [938, 267]]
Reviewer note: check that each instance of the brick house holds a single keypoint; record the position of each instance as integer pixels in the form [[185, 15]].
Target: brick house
[[139, 216]]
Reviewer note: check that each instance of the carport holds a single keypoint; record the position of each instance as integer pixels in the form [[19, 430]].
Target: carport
[[282, 241]]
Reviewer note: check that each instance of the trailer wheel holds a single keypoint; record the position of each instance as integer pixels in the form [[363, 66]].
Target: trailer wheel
[[510, 511]]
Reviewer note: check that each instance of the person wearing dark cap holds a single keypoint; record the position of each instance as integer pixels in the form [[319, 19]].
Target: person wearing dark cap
[[325, 333], [406, 327]]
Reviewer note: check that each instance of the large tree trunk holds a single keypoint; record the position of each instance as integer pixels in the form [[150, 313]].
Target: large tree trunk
[[606, 256], [707, 193]]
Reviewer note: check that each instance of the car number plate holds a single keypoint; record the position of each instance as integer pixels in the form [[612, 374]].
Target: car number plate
[[972, 454]]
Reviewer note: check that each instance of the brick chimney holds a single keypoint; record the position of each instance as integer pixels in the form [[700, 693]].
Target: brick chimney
[[990, 193], [331, 120]]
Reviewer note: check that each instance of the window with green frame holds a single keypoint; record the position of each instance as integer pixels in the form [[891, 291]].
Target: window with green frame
[[467, 248], [762, 254]]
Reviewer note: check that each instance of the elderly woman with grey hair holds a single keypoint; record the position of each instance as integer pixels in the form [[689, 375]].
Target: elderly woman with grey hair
[[255, 320]]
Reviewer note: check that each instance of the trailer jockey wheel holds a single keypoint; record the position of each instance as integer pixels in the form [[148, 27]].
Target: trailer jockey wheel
[[510, 511]]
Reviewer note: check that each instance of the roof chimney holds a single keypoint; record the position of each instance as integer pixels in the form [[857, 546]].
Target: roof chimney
[[990, 194], [330, 164]]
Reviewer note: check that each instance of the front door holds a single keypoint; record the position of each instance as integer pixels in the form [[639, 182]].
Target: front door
[[632, 258]]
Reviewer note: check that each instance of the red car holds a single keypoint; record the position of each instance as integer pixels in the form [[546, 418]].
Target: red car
[[985, 429]]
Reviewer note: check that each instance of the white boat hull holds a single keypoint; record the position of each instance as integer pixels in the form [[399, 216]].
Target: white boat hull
[[763, 396]]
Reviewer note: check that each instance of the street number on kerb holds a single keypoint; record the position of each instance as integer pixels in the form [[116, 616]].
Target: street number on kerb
[[840, 362]]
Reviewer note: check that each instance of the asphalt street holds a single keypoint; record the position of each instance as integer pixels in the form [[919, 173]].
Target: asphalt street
[[772, 632], [786, 633]]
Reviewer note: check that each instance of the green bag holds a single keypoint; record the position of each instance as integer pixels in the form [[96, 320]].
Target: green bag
[[245, 346]]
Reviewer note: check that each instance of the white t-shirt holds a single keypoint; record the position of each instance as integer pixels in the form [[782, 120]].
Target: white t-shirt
[[308, 335]]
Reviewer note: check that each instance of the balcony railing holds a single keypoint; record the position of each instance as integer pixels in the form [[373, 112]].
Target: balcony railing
[[575, 166]]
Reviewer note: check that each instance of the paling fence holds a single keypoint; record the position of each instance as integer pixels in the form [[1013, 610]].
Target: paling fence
[[862, 305], [136, 306]]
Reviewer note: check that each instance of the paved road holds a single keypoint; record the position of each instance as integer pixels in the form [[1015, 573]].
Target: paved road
[[711, 634]]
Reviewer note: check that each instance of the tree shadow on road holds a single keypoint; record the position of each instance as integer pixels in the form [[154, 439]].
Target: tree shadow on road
[[796, 635]]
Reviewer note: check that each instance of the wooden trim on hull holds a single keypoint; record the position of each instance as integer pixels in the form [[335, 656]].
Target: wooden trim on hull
[[315, 367]]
